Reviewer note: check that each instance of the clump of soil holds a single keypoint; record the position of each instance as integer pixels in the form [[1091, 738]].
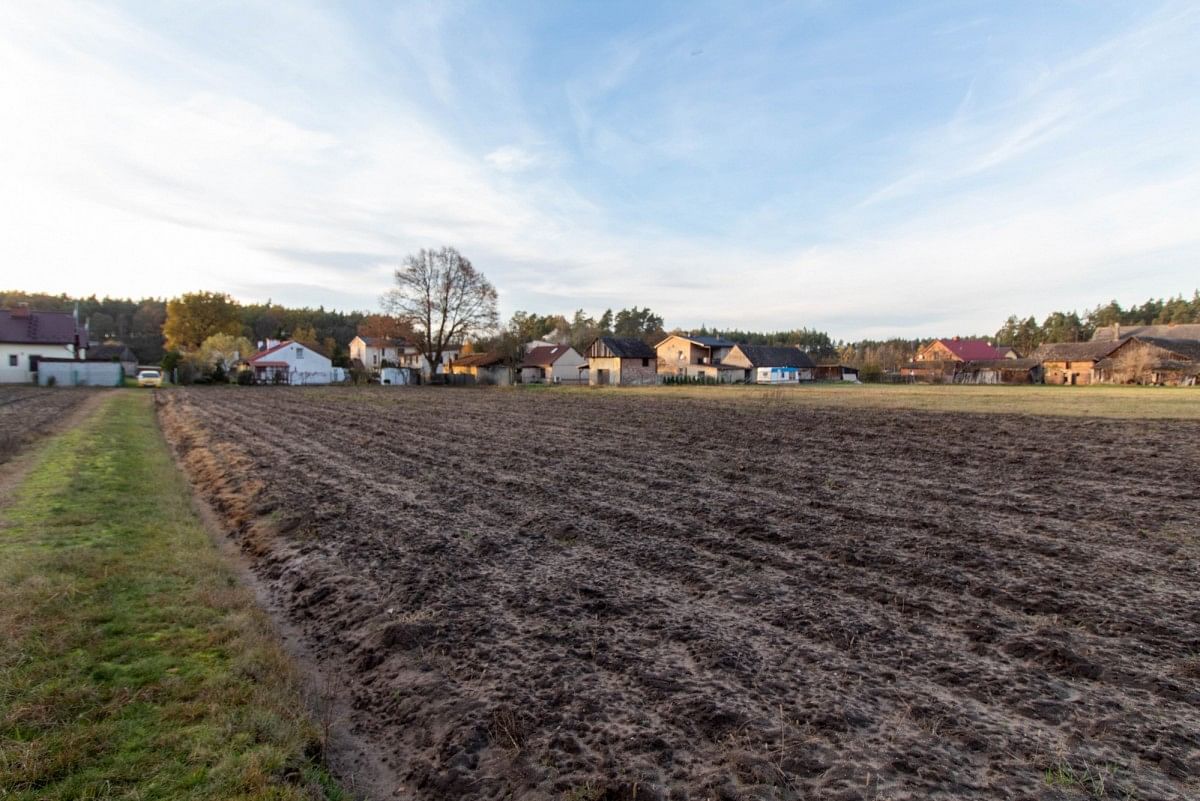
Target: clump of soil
[[606, 596]]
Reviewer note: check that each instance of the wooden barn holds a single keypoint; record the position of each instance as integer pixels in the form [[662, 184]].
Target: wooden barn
[[1149, 360], [835, 372], [627, 362], [1071, 363], [999, 371]]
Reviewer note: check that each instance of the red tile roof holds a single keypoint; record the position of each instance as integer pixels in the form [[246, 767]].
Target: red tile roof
[[971, 349]]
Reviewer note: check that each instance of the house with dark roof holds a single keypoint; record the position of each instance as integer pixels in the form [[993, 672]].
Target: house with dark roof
[[553, 364], [620, 361], [27, 336], [693, 356], [487, 369], [115, 352], [771, 364]]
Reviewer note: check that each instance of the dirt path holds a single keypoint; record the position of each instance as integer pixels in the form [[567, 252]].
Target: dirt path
[[599, 597]]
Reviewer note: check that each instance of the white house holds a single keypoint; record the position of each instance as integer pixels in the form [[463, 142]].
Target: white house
[[373, 352], [27, 336], [554, 364], [291, 362]]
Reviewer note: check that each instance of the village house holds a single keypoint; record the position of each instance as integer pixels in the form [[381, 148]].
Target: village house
[[375, 353], [486, 369], [939, 360], [291, 362], [1071, 363], [769, 364], [627, 362], [1149, 360], [553, 364], [701, 357], [27, 336]]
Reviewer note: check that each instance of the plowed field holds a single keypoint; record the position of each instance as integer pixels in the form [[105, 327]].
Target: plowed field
[[27, 413], [603, 595]]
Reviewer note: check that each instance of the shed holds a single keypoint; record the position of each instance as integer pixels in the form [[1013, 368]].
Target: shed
[[480, 368], [617, 360], [114, 352], [999, 371], [835, 372]]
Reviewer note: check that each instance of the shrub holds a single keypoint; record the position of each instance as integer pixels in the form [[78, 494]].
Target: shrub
[[245, 377]]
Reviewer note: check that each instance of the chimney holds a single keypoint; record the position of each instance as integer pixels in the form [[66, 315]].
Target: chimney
[[21, 312]]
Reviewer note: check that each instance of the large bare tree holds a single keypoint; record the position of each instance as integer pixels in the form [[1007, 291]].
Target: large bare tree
[[444, 298]]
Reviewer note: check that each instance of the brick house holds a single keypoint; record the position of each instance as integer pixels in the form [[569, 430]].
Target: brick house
[[627, 362]]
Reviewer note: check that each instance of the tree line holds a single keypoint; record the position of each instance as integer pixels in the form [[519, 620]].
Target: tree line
[[1027, 333]]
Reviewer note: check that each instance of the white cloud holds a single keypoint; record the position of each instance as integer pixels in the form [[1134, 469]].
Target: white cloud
[[511, 158]]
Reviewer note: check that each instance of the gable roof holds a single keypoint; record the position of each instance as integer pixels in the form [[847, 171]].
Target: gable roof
[[705, 341], [1073, 351], [28, 327], [775, 356], [258, 357], [624, 348], [478, 360], [545, 355], [1109, 333], [970, 349], [383, 342], [1187, 348]]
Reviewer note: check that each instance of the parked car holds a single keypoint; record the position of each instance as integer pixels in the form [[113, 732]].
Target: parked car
[[149, 378]]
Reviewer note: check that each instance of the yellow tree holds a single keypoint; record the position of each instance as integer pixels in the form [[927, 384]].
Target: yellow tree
[[196, 316]]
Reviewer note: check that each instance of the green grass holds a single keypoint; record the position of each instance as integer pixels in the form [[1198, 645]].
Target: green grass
[[132, 665]]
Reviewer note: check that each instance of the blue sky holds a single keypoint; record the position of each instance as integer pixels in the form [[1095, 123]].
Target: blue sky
[[864, 168]]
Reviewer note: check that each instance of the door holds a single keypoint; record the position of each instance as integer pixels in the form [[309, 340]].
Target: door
[[602, 377]]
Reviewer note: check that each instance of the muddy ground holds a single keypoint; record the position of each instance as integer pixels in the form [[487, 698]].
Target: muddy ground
[[29, 413], [601, 595]]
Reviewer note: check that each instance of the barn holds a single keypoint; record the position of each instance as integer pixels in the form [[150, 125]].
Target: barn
[[621, 361], [770, 364], [291, 362], [1149, 360], [999, 371], [1071, 363]]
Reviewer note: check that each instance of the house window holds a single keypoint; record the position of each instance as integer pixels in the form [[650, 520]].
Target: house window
[[12, 360], [299, 353], [645, 362]]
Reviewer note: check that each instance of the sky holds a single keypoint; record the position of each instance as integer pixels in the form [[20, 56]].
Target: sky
[[870, 169]]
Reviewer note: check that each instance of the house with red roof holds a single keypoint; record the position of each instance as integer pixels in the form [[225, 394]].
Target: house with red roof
[[291, 362], [28, 336], [939, 361]]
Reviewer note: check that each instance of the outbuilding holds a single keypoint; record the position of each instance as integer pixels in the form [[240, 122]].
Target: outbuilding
[[771, 364], [487, 369], [1071, 363], [835, 372], [618, 360]]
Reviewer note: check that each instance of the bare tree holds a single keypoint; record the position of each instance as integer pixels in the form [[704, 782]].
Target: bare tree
[[444, 298]]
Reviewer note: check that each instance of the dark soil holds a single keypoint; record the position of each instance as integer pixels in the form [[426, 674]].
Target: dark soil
[[29, 413], [603, 596]]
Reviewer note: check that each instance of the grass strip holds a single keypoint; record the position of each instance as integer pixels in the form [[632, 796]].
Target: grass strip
[[132, 664]]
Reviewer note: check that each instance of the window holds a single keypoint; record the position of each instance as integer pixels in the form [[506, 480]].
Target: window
[[645, 362], [12, 360], [299, 353]]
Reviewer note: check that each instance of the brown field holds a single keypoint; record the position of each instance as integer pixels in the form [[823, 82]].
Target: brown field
[[27, 413], [591, 596]]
